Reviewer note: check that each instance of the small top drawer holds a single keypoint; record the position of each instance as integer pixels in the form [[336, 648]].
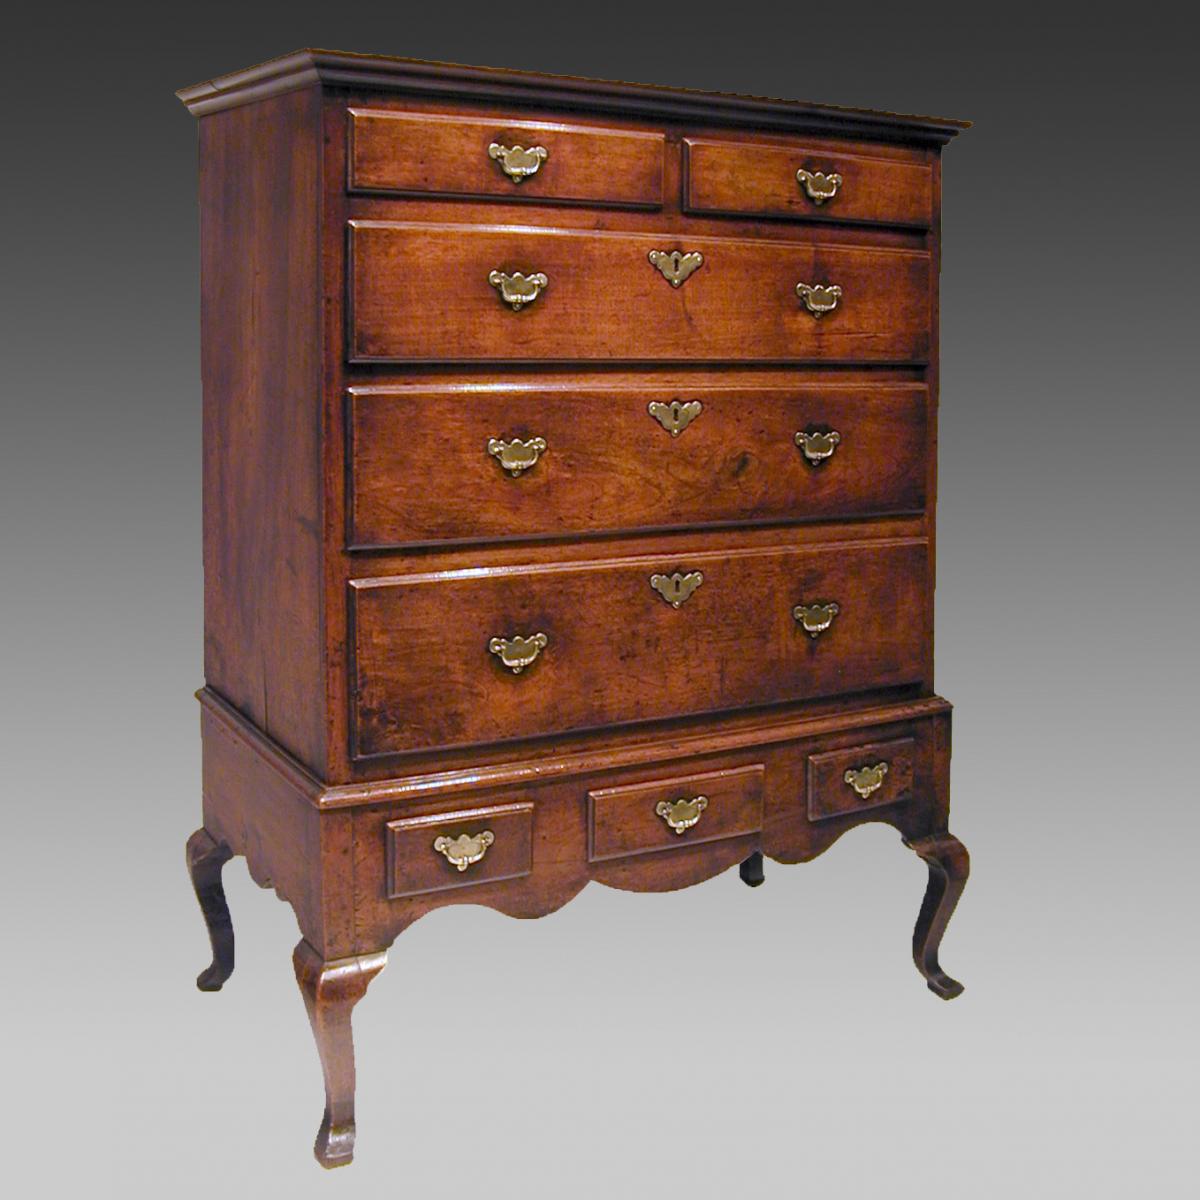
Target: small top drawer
[[511, 160], [811, 181]]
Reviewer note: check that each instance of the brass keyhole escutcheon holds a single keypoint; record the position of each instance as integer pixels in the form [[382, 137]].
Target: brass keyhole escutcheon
[[676, 266], [678, 588], [676, 416]]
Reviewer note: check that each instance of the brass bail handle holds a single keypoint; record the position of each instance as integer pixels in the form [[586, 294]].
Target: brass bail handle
[[865, 780], [516, 652], [465, 850], [683, 813], [518, 289], [815, 618], [517, 162], [818, 186], [516, 456], [818, 447], [819, 298]]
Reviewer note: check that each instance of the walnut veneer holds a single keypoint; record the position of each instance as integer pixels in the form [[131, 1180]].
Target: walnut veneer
[[569, 477]]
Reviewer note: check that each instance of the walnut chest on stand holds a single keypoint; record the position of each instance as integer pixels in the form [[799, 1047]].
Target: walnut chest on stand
[[569, 478]]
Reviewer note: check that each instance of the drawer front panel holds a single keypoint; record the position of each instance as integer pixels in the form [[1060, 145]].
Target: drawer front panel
[[668, 814], [863, 777], [759, 179], [459, 849], [478, 656], [422, 292], [427, 153], [422, 470]]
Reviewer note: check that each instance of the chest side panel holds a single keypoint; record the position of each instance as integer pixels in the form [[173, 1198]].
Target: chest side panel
[[261, 369]]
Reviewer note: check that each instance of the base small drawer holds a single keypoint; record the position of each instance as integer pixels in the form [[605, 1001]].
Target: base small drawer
[[459, 849], [662, 815], [850, 781]]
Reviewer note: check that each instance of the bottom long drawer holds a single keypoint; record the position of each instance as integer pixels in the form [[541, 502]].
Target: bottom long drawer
[[470, 657]]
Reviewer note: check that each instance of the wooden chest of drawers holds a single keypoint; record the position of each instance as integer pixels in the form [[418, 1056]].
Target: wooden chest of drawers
[[569, 469]]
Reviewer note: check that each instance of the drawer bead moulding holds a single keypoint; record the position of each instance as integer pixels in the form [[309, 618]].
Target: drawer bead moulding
[[569, 492]]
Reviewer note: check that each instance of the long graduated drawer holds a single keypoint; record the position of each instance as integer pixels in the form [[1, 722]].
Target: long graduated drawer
[[487, 655]]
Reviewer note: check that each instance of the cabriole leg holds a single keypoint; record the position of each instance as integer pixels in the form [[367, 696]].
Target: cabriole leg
[[949, 864], [205, 858], [330, 991]]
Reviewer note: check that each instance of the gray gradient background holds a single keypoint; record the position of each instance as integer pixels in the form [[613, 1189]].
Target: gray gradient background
[[719, 1041]]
